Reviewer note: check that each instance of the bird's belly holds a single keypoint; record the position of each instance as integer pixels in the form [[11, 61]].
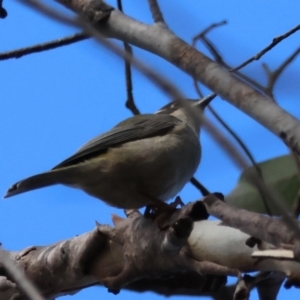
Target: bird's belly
[[134, 173], [168, 171]]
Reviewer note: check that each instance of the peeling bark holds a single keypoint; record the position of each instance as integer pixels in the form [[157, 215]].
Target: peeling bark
[[190, 256], [275, 231]]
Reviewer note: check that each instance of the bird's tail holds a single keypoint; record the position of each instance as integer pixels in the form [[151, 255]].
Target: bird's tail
[[39, 181]]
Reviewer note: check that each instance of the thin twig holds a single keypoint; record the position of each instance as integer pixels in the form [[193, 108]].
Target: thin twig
[[208, 43], [197, 88], [204, 191], [130, 104], [19, 278], [44, 46], [274, 75], [236, 137], [164, 84], [156, 12], [268, 48], [218, 57], [208, 29]]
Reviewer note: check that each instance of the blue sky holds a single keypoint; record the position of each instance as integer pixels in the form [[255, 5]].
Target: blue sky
[[53, 102]]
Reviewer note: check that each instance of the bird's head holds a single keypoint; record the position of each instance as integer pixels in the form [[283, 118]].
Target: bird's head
[[189, 111]]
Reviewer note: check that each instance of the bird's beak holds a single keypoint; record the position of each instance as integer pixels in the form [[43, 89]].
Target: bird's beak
[[203, 102]]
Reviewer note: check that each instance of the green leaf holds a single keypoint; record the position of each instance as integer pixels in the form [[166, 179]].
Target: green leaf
[[280, 175]]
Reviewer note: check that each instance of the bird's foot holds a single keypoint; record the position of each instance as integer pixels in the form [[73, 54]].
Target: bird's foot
[[151, 211]]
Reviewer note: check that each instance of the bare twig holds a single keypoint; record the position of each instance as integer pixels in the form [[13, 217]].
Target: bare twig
[[197, 88], [19, 278], [268, 48], [218, 57], [274, 75], [208, 29], [236, 137], [130, 104], [209, 44], [164, 84], [44, 46], [246, 150], [156, 12], [204, 191]]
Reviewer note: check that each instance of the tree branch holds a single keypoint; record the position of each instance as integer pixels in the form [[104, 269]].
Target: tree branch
[[135, 254], [44, 46], [198, 185], [274, 75], [268, 48], [156, 12], [23, 285], [130, 104]]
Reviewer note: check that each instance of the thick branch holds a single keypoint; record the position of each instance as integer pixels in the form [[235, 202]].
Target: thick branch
[[159, 40], [137, 255]]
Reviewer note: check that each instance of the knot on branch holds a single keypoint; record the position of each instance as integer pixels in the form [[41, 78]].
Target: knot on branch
[[97, 11]]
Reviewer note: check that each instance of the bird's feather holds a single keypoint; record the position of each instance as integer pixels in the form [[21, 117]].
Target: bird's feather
[[135, 128]]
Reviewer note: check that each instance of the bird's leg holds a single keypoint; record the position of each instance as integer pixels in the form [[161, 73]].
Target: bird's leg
[[151, 211], [161, 211], [163, 217], [156, 207]]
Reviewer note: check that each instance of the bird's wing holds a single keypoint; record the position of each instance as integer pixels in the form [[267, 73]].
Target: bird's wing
[[135, 128]]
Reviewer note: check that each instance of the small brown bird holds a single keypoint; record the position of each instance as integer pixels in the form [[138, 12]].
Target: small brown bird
[[143, 160]]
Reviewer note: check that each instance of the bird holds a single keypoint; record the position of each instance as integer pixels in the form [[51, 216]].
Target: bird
[[144, 160]]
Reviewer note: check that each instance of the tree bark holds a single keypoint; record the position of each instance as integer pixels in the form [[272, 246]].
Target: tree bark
[[188, 256]]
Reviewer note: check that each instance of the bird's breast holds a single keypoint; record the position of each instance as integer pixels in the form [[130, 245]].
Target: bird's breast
[[129, 175], [160, 166]]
